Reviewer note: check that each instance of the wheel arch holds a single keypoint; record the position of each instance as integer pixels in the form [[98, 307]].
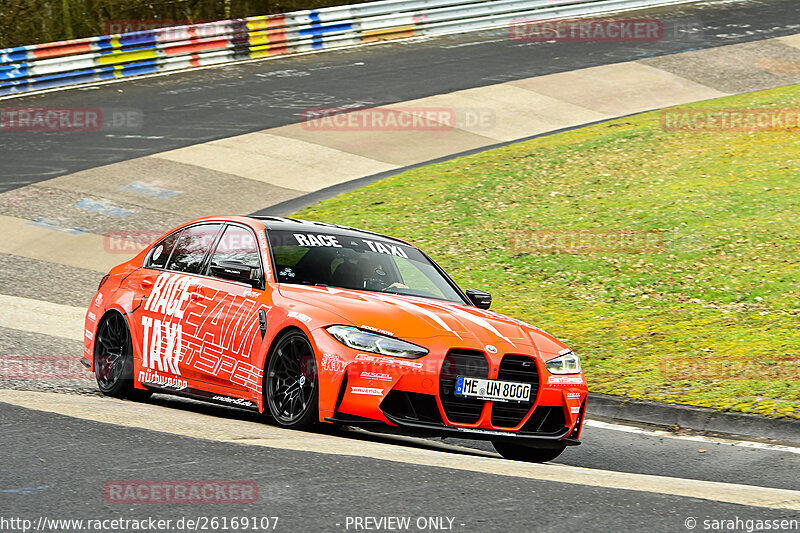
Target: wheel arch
[[286, 329], [275, 339], [108, 312]]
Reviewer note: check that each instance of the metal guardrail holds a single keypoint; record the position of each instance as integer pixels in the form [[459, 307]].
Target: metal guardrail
[[43, 66]]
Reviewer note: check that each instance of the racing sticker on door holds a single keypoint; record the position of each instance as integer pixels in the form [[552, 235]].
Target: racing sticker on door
[[212, 336], [162, 337]]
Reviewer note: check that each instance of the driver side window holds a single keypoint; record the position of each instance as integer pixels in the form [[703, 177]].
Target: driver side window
[[237, 246]]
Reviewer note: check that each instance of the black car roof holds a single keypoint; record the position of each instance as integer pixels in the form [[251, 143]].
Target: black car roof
[[295, 224]]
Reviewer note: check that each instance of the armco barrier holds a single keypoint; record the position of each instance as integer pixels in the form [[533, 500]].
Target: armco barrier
[[30, 68]]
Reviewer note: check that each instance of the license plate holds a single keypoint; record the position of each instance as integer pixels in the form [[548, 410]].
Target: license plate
[[492, 389]]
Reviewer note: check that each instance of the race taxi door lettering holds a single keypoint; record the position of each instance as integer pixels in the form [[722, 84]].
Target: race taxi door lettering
[[219, 334], [162, 337]]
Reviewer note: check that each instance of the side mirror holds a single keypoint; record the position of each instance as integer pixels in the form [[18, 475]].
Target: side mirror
[[480, 299], [237, 271]]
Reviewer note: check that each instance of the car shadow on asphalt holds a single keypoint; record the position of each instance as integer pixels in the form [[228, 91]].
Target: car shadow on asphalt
[[359, 434]]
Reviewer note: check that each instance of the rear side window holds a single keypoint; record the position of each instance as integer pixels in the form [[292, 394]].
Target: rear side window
[[192, 247], [160, 253]]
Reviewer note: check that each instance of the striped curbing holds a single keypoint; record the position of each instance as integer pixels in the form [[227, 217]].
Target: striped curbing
[[45, 318], [276, 160], [46, 241], [167, 186], [620, 89]]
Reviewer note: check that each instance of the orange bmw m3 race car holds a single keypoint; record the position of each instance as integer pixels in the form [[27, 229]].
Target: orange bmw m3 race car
[[319, 323]]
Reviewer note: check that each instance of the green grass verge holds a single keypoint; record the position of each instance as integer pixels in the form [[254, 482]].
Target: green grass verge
[[707, 314]]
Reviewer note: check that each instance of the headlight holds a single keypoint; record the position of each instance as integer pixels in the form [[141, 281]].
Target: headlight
[[565, 364], [366, 341]]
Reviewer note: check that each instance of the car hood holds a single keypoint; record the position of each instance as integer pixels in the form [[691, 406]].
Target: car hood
[[408, 317]]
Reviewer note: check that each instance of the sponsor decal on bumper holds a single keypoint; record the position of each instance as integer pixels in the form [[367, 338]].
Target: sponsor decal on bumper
[[332, 363], [377, 376], [565, 380], [390, 361], [367, 391]]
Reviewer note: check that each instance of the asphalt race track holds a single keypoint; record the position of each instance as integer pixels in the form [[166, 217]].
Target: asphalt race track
[[62, 443], [199, 106], [309, 494], [63, 475]]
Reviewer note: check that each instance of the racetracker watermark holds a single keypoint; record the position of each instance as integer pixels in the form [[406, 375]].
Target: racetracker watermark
[[378, 370], [129, 242], [46, 367], [146, 523], [736, 120], [70, 119], [587, 30], [397, 119], [711, 369], [171, 30], [115, 26], [585, 241], [181, 492]]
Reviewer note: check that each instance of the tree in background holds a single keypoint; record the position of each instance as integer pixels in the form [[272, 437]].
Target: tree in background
[[67, 19], [40, 21]]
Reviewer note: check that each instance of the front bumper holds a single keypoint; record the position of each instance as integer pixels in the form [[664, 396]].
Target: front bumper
[[418, 398]]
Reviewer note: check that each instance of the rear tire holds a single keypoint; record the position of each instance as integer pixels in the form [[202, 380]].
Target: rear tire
[[521, 452], [292, 386], [113, 359]]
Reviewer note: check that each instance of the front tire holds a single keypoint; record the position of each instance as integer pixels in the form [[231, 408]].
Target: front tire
[[113, 359], [292, 391], [520, 452]]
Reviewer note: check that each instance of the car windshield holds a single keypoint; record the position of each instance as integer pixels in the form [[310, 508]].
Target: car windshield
[[350, 262]]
